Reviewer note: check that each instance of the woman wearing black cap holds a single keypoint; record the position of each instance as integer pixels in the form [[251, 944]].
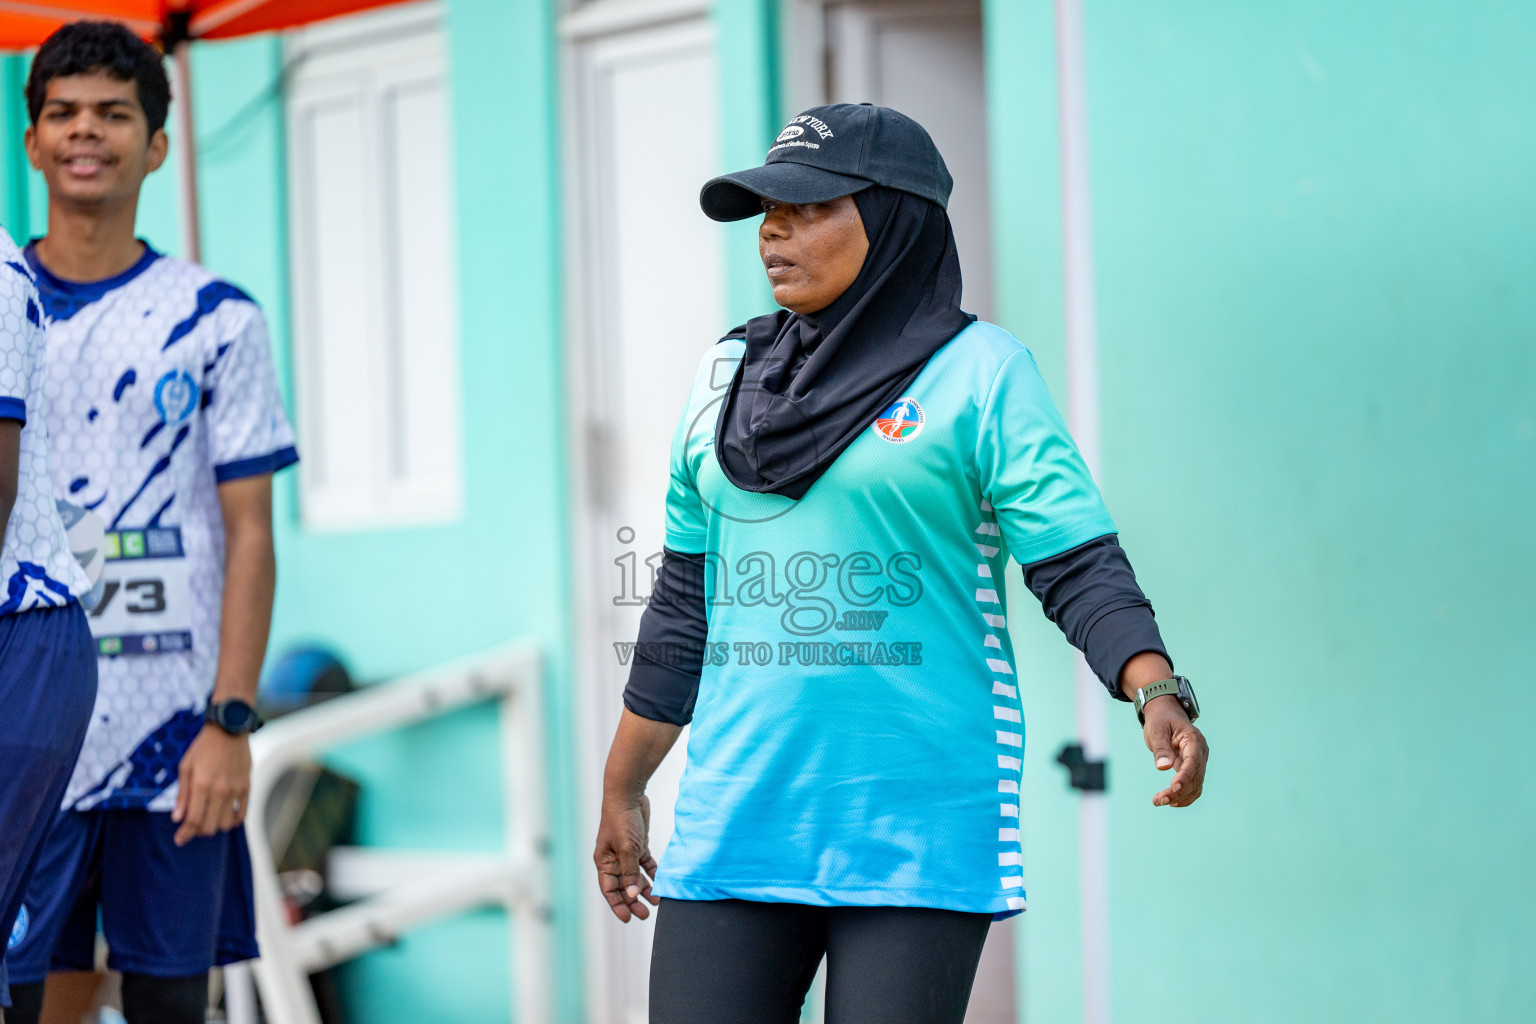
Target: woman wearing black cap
[[848, 482]]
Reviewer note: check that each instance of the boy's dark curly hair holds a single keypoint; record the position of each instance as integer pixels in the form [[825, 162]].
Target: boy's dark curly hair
[[101, 47]]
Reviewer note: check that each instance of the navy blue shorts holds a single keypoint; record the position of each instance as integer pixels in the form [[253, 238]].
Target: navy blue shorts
[[47, 689], [167, 911]]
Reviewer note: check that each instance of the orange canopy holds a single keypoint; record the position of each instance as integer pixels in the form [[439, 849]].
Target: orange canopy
[[25, 23]]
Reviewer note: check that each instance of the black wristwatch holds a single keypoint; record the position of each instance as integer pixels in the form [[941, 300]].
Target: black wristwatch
[[1178, 687], [235, 717]]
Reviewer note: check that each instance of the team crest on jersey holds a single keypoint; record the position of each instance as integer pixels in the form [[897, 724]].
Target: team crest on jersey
[[176, 397], [901, 422]]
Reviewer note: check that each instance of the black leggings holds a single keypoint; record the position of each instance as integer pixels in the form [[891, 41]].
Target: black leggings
[[741, 962], [146, 1000]]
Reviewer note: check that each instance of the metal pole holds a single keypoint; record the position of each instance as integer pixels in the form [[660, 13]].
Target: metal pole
[[1083, 418], [186, 150]]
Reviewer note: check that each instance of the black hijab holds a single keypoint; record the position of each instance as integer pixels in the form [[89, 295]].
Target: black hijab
[[809, 384]]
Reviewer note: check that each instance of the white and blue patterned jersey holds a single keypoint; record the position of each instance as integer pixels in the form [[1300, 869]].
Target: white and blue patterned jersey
[[160, 388], [36, 568]]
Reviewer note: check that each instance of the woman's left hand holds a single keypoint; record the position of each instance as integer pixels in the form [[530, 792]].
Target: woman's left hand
[[1178, 746]]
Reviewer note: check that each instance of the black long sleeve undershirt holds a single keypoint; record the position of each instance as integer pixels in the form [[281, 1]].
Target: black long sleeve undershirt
[[1090, 592], [669, 653]]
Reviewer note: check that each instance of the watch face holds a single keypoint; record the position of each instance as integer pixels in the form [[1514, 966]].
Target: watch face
[[236, 715]]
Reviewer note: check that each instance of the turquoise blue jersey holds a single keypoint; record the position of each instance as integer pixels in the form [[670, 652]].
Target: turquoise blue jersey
[[857, 734]]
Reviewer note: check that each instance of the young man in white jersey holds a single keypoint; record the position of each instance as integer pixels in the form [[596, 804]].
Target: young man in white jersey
[[167, 424], [47, 657]]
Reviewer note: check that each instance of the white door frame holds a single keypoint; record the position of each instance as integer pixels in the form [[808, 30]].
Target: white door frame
[[589, 386]]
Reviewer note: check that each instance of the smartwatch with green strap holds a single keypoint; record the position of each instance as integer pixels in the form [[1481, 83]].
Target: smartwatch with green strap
[[1177, 687]]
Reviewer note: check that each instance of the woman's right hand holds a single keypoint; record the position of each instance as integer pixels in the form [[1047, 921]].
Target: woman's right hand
[[625, 866], [623, 853]]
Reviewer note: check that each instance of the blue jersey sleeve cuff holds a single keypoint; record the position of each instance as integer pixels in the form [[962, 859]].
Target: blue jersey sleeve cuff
[[13, 409], [257, 466]]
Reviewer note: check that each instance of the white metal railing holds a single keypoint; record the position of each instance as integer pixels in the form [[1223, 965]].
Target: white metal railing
[[402, 889]]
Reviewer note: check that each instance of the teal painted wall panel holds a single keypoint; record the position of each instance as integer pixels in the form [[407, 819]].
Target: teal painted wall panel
[[747, 40], [1313, 237], [448, 971], [15, 206], [1026, 204]]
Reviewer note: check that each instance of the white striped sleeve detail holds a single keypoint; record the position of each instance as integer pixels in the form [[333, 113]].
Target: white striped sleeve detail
[[986, 506], [987, 596], [1000, 667], [995, 621], [1007, 835], [1010, 739], [1015, 902], [989, 530], [1008, 810], [1013, 882], [1006, 714], [1002, 689], [1009, 764], [1005, 860], [983, 570], [987, 550], [992, 641], [1007, 786]]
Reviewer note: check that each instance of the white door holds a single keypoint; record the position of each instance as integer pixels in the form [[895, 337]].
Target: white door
[[926, 59], [646, 301]]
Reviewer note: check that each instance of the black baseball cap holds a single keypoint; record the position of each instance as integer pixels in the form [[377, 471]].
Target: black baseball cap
[[833, 151]]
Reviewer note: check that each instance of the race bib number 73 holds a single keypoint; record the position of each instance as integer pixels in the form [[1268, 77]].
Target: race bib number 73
[[145, 605]]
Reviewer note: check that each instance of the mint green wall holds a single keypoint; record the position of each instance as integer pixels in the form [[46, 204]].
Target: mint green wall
[[747, 34], [1314, 232], [15, 204], [399, 600], [1315, 248]]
